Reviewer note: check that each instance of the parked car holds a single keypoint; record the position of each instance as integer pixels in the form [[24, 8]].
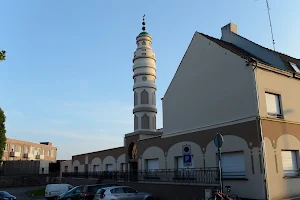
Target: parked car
[[121, 192], [54, 190], [89, 191], [6, 196], [73, 194]]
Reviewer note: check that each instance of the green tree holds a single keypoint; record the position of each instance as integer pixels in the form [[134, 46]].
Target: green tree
[[2, 55], [2, 134]]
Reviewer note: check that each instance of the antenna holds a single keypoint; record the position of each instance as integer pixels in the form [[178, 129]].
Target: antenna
[[273, 41]]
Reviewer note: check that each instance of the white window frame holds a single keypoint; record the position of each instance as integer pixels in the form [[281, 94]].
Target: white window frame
[[20, 148], [291, 167], [228, 171], [274, 109]]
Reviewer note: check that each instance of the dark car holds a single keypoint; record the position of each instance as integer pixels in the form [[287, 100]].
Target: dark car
[[73, 194], [89, 191], [6, 196]]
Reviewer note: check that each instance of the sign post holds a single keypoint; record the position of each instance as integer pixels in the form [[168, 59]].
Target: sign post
[[218, 143], [187, 155]]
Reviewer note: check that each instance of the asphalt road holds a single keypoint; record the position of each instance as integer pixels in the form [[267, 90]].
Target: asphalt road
[[19, 192]]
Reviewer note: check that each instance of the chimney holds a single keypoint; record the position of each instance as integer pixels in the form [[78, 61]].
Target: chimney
[[228, 29]]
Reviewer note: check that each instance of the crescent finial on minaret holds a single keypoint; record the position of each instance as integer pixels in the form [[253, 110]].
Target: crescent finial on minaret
[[144, 23]]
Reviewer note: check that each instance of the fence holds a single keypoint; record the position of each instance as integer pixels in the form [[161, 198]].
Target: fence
[[191, 176]]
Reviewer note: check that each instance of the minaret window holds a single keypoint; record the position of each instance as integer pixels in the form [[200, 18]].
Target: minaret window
[[154, 122], [144, 97], [144, 78], [153, 98], [143, 43], [145, 122], [136, 122], [135, 98]]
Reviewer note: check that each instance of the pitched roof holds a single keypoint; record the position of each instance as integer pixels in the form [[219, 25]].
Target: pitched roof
[[246, 55]]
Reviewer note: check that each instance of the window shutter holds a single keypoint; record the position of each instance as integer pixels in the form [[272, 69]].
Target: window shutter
[[289, 163], [152, 164], [233, 165], [272, 101]]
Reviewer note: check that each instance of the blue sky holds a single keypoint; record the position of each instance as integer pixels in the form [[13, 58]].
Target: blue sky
[[68, 74]]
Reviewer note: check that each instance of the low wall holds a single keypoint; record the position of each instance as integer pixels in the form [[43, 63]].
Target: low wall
[[159, 190], [25, 181]]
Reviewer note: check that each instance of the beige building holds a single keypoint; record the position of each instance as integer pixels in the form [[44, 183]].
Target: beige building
[[248, 93], [24, 150]]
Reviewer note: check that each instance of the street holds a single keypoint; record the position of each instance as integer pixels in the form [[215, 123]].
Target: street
[[20, 192]]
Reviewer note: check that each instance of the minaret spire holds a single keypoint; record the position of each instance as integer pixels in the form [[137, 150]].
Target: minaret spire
[[144, 23], [144, 87]]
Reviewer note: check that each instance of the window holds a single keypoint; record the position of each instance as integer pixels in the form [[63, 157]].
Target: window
[[295, 67], [96, 168], [109, 167], [66, 168], [180, 165], [117, 191], [76, 169], [48, 152], [12, 147], [123, 167], [20, 149], [26, 149], [233, 165], [39, 151], [183, 171], [6, 147], [32, 150], [273, 105], [43, 152], [52, 153], [129, 190], [152, 164], [152, 167], [290, 163]]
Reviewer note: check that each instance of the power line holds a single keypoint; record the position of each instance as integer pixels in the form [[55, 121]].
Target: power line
[[273, 41]]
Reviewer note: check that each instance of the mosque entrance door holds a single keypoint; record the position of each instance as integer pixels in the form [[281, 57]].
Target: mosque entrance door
[[133, 172]]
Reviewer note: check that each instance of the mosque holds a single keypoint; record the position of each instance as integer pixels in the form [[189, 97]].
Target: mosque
[[230, 86]]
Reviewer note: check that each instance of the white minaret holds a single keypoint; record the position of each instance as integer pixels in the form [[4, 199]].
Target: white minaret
[[144, 87]]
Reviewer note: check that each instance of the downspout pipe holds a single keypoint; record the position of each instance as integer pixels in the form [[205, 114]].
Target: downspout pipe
[[255, 64]]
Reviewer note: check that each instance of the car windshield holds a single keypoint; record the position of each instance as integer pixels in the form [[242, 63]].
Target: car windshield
[[3, 194]]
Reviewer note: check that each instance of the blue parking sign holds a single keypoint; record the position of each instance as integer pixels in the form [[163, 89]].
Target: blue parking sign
[[187, 160]]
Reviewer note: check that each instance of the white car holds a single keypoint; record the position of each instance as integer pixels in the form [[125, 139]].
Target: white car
[[121, 193], [54, 190]]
